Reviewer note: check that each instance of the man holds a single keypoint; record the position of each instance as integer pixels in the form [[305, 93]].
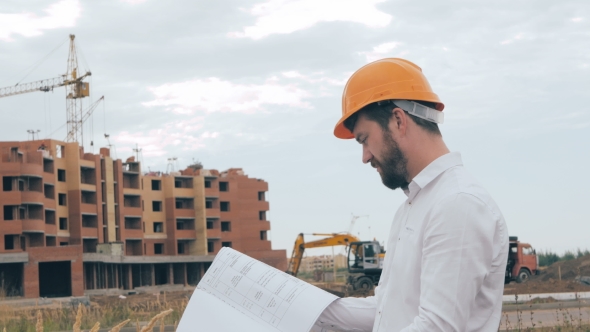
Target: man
[[448, 244]]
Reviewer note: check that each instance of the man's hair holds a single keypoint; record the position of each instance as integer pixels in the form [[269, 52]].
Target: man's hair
[[382, 113]]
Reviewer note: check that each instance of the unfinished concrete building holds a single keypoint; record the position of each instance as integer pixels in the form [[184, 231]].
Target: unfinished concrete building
[[76, 223]]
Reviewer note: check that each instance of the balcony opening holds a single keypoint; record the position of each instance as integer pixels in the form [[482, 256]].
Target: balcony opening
[[210, 224], [50, 241], [263, 235], [10, 212], [131, 167], [61, 175], [31, 211], [185, 224], [64, 244], [89, 245], [183, 182], [49, 191], [88, 197], [48, 166], [63, 223], [181, 250], [159, 248], [223, 186], [226, 226], [130, 181], [62, 199], [89, 220], [133, 248], [16, 156], [262, 215], [156, 185], [157, 206], [87, 175], [131, 201], [224, 206], [185, 203], [133, 223], [37, 240], [158, 227], [226, 244], [210, 246], [261, 196], [50, 217]]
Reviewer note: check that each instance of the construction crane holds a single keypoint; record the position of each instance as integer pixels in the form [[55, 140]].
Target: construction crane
[[76, 90]]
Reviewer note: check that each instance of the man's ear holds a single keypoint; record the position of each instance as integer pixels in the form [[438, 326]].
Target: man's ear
[[398, 122]]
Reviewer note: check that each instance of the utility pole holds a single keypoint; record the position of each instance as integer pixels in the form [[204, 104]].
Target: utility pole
[[137, 150], [33, 132]]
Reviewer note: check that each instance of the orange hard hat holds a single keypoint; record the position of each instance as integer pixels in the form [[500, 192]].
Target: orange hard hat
[[383, 79]]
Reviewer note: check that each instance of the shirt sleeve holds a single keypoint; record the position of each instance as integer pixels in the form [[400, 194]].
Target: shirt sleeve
[[456, 258], [348, 314]]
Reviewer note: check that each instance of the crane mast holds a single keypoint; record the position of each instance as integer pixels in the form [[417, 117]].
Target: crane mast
[[75, 91]]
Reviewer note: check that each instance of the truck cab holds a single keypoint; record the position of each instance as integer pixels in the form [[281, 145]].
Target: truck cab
[[522, 261]]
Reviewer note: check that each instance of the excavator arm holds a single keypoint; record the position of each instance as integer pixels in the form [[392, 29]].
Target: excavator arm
[[333, 239]]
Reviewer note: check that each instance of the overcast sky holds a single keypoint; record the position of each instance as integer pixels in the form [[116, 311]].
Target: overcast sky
[[257, 85]]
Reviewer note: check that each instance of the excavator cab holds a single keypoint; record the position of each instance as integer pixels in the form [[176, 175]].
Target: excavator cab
[[365, 257]]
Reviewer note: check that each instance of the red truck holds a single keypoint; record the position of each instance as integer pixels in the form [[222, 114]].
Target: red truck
[[522, 261]]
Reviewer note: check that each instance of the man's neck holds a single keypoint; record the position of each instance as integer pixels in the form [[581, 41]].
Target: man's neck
[[423, 153]]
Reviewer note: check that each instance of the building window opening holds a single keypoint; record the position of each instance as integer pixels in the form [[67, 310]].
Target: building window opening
[[208, 204], [49, 191], [158, 227], [131, 180], [62, 199], [181, 248], [226, 226], [157, 206], [61, 175], [261, 196], [210, 246], [156, 185], [207, 184], [63, 224], [226, 244], [223, 186], [9, 242], [263, 235], [50, 217], [7, 183], [47, 165], [262, 215], [224, 206], [158, 248], [183, 182], [9, 212], [209, 224]]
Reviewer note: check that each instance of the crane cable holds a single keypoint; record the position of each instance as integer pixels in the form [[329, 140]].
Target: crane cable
[[38, 63]]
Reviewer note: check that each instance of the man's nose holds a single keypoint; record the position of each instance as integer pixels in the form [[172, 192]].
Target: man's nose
[[367, 155]]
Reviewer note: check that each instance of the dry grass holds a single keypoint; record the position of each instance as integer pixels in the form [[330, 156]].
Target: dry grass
[[90, 318]]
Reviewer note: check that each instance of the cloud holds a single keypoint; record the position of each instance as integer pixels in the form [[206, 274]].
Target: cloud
[[62, 14], [157, 142], [287, 16], [314, 78], [513, 39], [577, 19], [215, 95], [134, 2], [381, 51]]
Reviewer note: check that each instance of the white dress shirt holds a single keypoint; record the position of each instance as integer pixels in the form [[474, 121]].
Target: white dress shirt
[[445, 261]]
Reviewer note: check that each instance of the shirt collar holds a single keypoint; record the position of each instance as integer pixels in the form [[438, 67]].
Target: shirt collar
[[431, 172]]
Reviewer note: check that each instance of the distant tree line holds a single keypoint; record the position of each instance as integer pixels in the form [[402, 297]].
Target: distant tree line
[[548, 257]]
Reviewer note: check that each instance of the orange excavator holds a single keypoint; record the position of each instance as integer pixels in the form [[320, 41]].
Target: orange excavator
[[365, 258]]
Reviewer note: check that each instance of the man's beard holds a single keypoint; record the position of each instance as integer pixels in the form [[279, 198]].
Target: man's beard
[[393, 165]]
